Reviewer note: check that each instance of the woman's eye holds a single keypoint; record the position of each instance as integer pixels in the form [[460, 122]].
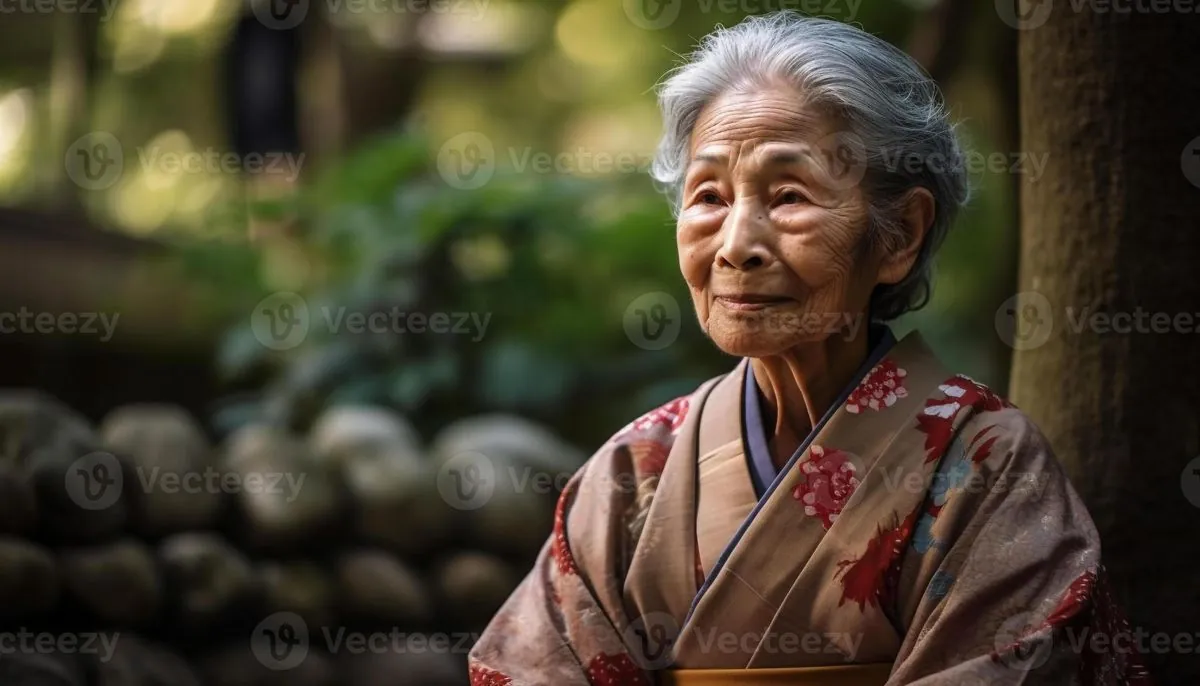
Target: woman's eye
[[789, 198], [710, 198]]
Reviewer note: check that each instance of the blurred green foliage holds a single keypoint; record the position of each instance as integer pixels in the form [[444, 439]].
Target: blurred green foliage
[[552, 263]]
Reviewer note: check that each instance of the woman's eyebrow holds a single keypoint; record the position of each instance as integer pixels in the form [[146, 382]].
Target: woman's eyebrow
[[776, 154], [711, 157], [784, 154]]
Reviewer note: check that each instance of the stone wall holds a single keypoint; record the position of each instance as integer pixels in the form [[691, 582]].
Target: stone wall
[[137, 554]]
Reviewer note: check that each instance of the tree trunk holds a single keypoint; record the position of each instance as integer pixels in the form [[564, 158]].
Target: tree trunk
[[1111, 236]]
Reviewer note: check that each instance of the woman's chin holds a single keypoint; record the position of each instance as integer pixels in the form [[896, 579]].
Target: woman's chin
[[741, 342]]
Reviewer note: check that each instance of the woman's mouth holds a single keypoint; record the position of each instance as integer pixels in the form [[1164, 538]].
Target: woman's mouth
[[748, 302]]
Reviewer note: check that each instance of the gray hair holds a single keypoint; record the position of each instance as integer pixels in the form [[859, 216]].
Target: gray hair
[[885, 98]]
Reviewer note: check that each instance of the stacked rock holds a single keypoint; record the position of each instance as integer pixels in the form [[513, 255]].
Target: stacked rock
[[140, 554]]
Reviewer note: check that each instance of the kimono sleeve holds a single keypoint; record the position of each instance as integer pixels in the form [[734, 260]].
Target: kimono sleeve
[[1004, 577], [557, 627]]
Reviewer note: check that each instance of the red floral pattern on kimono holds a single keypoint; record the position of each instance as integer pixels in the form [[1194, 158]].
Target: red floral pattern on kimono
[[869, 580], [670, 415], [615, 670], [560, 552], [881, 388], [984, 449], [937, 419], [482, 676], [649, 437], [830, 480]]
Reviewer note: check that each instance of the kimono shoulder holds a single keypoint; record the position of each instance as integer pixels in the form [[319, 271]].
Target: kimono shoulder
[[987, 446], [639, 450]]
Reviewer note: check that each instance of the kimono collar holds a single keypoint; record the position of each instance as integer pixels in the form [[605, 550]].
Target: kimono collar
[[754, 433]]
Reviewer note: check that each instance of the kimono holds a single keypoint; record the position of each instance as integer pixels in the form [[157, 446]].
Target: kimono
[[923, 533]]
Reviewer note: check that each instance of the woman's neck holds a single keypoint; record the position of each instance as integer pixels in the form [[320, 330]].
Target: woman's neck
[[799, 386]]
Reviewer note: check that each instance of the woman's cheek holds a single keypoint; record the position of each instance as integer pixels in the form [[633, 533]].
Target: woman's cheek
[[695, 256]]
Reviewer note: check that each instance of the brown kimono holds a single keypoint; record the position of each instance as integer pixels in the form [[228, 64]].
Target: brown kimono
[[922, 534]]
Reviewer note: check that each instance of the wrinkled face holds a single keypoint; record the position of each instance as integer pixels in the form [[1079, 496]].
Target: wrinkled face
[[771, 235]]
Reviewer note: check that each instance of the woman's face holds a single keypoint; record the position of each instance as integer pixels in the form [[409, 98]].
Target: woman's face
[[771, 235]]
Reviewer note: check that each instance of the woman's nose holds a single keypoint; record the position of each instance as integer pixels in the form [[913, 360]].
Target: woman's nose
[[744, 246]]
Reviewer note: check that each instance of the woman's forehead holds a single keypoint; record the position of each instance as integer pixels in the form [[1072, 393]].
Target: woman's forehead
[[765, 120]]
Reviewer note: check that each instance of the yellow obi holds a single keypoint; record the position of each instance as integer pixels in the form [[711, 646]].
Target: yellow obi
[[835, 675]]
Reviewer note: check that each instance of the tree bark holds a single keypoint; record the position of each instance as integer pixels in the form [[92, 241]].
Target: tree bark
[[1113, 228]]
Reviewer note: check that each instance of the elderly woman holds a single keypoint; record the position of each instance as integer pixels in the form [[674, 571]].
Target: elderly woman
[[838, 509]]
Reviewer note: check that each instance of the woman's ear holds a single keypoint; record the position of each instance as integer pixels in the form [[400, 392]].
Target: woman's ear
[[916, 218]]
